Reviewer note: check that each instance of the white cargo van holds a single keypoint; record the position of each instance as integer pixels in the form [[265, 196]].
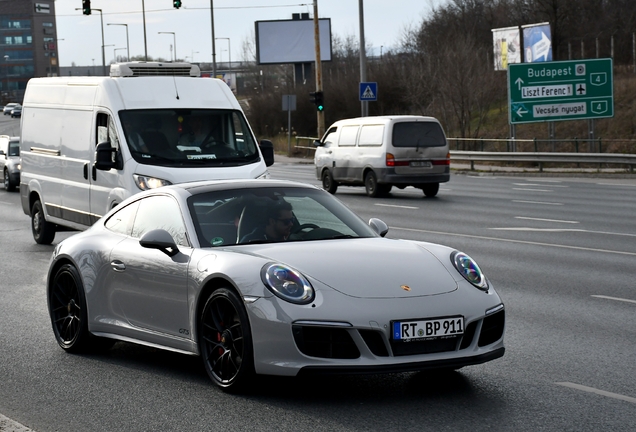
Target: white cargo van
[[384, 151], [87, 143]]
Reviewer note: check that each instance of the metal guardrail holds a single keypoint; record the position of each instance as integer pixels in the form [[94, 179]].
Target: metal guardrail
[[539, 158], [544, 157]]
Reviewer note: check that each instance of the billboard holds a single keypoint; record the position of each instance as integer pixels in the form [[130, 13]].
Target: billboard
[[291, 41], [537, 43], [506, 47]]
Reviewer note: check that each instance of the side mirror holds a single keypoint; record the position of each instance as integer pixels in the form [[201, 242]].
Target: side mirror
[[379, 226], [159, 239], [317, 143], [104, 156], [267, 150]]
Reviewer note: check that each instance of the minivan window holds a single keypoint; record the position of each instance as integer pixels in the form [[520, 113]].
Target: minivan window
[[371, 135], [418, 134], [189, 137], [348, 135]]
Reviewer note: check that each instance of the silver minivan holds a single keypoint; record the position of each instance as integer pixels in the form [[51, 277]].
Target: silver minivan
[[384, 151]]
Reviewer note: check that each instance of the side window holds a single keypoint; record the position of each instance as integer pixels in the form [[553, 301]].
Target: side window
[[106, 130], [348, 135], [330, 137], [160, 212], [371, 135], [122, 221]]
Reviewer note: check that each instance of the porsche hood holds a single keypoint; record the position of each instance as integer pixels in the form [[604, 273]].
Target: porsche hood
[[366, 268]]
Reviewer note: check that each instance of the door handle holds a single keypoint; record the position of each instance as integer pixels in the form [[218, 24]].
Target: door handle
[[94, 173], [86, 171], [118, 266]]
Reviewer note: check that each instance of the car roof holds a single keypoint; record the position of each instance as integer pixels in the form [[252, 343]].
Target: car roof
[[211, 185]]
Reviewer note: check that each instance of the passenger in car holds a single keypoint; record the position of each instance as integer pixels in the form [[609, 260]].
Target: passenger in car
[[277, 227]]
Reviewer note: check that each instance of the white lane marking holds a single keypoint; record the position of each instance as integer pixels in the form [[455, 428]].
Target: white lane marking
[[396, 206], [536, 184], [562, 230], [6, 203], [546, 220], [545, 181], [538, 202], [533, 190], [616, 184], [614, 298], [517, 241], [10, 425], [597, 391]]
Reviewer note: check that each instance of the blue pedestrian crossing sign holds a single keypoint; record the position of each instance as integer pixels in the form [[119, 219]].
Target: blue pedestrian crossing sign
[[368, 91]]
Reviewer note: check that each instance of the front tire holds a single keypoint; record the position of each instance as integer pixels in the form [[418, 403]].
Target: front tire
[[43, 231], [328, 182], [225, 340], [10, 187]]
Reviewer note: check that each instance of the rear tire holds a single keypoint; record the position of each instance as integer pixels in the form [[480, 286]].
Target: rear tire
[[430, 189], [328, 182], [373, 188], [43, 231]]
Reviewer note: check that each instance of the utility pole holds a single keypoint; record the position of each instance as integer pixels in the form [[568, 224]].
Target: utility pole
[[364, 108], [319, 114]]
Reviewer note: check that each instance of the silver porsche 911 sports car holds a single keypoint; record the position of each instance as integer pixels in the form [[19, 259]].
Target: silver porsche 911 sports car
[[269, 277]]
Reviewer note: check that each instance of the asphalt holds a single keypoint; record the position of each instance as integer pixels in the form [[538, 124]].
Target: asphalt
[[481, 169]]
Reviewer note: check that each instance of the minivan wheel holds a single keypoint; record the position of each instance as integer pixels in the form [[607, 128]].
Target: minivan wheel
[[373, 188], [43, 231], [328, 182], [430, 189]]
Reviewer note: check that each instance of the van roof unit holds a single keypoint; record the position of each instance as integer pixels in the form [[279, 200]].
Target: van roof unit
[[137, 69]]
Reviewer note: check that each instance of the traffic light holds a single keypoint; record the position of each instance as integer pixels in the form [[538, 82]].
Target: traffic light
[[176, 4], [317, 99], [86, 7]]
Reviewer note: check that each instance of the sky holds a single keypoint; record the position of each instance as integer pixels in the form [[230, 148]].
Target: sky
[[80, 37]]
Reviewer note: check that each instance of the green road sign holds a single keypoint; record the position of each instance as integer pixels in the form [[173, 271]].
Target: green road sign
[[564, 90]]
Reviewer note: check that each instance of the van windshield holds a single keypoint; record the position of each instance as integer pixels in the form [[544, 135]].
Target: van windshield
[[189, 137], [418, 134]]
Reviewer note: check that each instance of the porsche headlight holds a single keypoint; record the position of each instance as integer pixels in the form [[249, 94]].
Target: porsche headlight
[[145, 182], [468, 268], [287, 283]]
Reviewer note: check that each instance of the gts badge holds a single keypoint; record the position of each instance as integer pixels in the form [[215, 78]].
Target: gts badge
[[185, 332]]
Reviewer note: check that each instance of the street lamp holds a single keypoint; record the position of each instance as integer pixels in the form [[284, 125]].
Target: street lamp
[[229, 50], [174, 36], [6, 61], [127, 40], [101, 18], [193, 53]]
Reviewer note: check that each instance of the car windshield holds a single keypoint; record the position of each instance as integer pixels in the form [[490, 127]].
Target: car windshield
[[189, 137], [267, 215], [14, 148]]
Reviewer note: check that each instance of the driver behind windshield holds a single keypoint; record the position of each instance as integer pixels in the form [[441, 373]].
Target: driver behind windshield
[[278, 225]]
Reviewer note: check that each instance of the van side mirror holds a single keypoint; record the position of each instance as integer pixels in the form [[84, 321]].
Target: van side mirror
[[267, 150], [318, 143], [104, 156]]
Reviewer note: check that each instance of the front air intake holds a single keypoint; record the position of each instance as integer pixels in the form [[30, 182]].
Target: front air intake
[[139, 69]]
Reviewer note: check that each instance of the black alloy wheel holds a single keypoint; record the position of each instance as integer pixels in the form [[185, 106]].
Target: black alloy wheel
[[225, 340], [67, 308]]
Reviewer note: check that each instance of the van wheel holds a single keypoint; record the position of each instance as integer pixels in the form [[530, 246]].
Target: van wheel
[[43, 231], [430, 189], [373, 188], [328, 182]]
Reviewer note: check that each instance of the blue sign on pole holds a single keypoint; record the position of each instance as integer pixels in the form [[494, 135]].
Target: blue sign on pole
[[368, 91]]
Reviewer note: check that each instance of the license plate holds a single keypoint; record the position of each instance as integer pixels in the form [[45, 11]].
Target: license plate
[[421, 164], [424, 329]]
